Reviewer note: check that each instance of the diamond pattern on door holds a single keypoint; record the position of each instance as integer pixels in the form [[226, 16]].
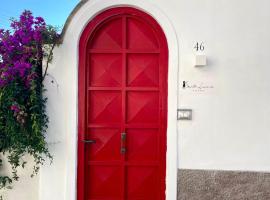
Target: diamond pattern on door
[[106, 146], [143, 70], [142, 183], [99, 182], [104, 107], [142, 107], [108, 36], [140, 36], [142, 144], [106, 70]]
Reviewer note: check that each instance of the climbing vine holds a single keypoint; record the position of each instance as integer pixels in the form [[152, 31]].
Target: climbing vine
[[23, 118]]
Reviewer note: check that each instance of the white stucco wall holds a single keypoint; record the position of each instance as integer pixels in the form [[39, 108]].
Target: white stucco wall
[[230, 129], [230, 125], [26, 188]]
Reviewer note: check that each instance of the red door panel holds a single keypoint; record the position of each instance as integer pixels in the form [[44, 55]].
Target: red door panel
[[106, 70], [142, 107], [142, 144], [106, 146], [104, 182], [108, 36], [104, 107], [122, 108], [143, 70], [142, 183], [140, 36]]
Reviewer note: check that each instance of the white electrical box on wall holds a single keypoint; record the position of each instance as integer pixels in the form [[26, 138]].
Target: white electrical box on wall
[[200, 60]]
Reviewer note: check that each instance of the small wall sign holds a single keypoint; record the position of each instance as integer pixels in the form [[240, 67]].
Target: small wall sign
[[184, 114], [196, 86]]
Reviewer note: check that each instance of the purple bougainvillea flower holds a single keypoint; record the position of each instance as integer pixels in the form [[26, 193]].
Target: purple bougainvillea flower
[[15, 108], [5, 75], [37, 36], [2, 83], [30, 78], [22, 106], [21, 68], [40, 21], [20, 48]]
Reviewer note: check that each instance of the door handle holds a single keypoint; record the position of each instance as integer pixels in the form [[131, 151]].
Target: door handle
[[89, 141], [123, 143]]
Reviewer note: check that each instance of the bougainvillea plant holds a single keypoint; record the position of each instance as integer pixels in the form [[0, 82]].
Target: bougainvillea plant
[[23, 118]]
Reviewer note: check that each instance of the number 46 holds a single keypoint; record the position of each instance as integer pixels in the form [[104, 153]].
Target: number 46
[[199, 46]]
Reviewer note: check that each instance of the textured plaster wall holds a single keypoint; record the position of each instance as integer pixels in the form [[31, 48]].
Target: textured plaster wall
[[223, 185]]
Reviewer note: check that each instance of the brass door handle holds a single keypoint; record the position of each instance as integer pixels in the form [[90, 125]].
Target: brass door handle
[[123, 143]]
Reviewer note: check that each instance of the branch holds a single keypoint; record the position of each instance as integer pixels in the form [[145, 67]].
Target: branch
[[48, 61]]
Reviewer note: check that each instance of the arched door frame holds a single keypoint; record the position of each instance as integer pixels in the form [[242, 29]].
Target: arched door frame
[[86, 38], [87, 11]]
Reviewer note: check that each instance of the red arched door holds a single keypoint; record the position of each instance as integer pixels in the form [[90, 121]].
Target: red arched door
[[122, 107]]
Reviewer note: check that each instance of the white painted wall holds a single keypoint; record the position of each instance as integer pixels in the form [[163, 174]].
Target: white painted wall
[[230, 129], [230, 126], [26, 188]]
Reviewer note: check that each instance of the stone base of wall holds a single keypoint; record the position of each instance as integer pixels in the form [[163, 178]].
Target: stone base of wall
[[223, 185]]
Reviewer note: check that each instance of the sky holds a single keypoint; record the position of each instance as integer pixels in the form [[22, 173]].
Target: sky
[[55, 12]]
